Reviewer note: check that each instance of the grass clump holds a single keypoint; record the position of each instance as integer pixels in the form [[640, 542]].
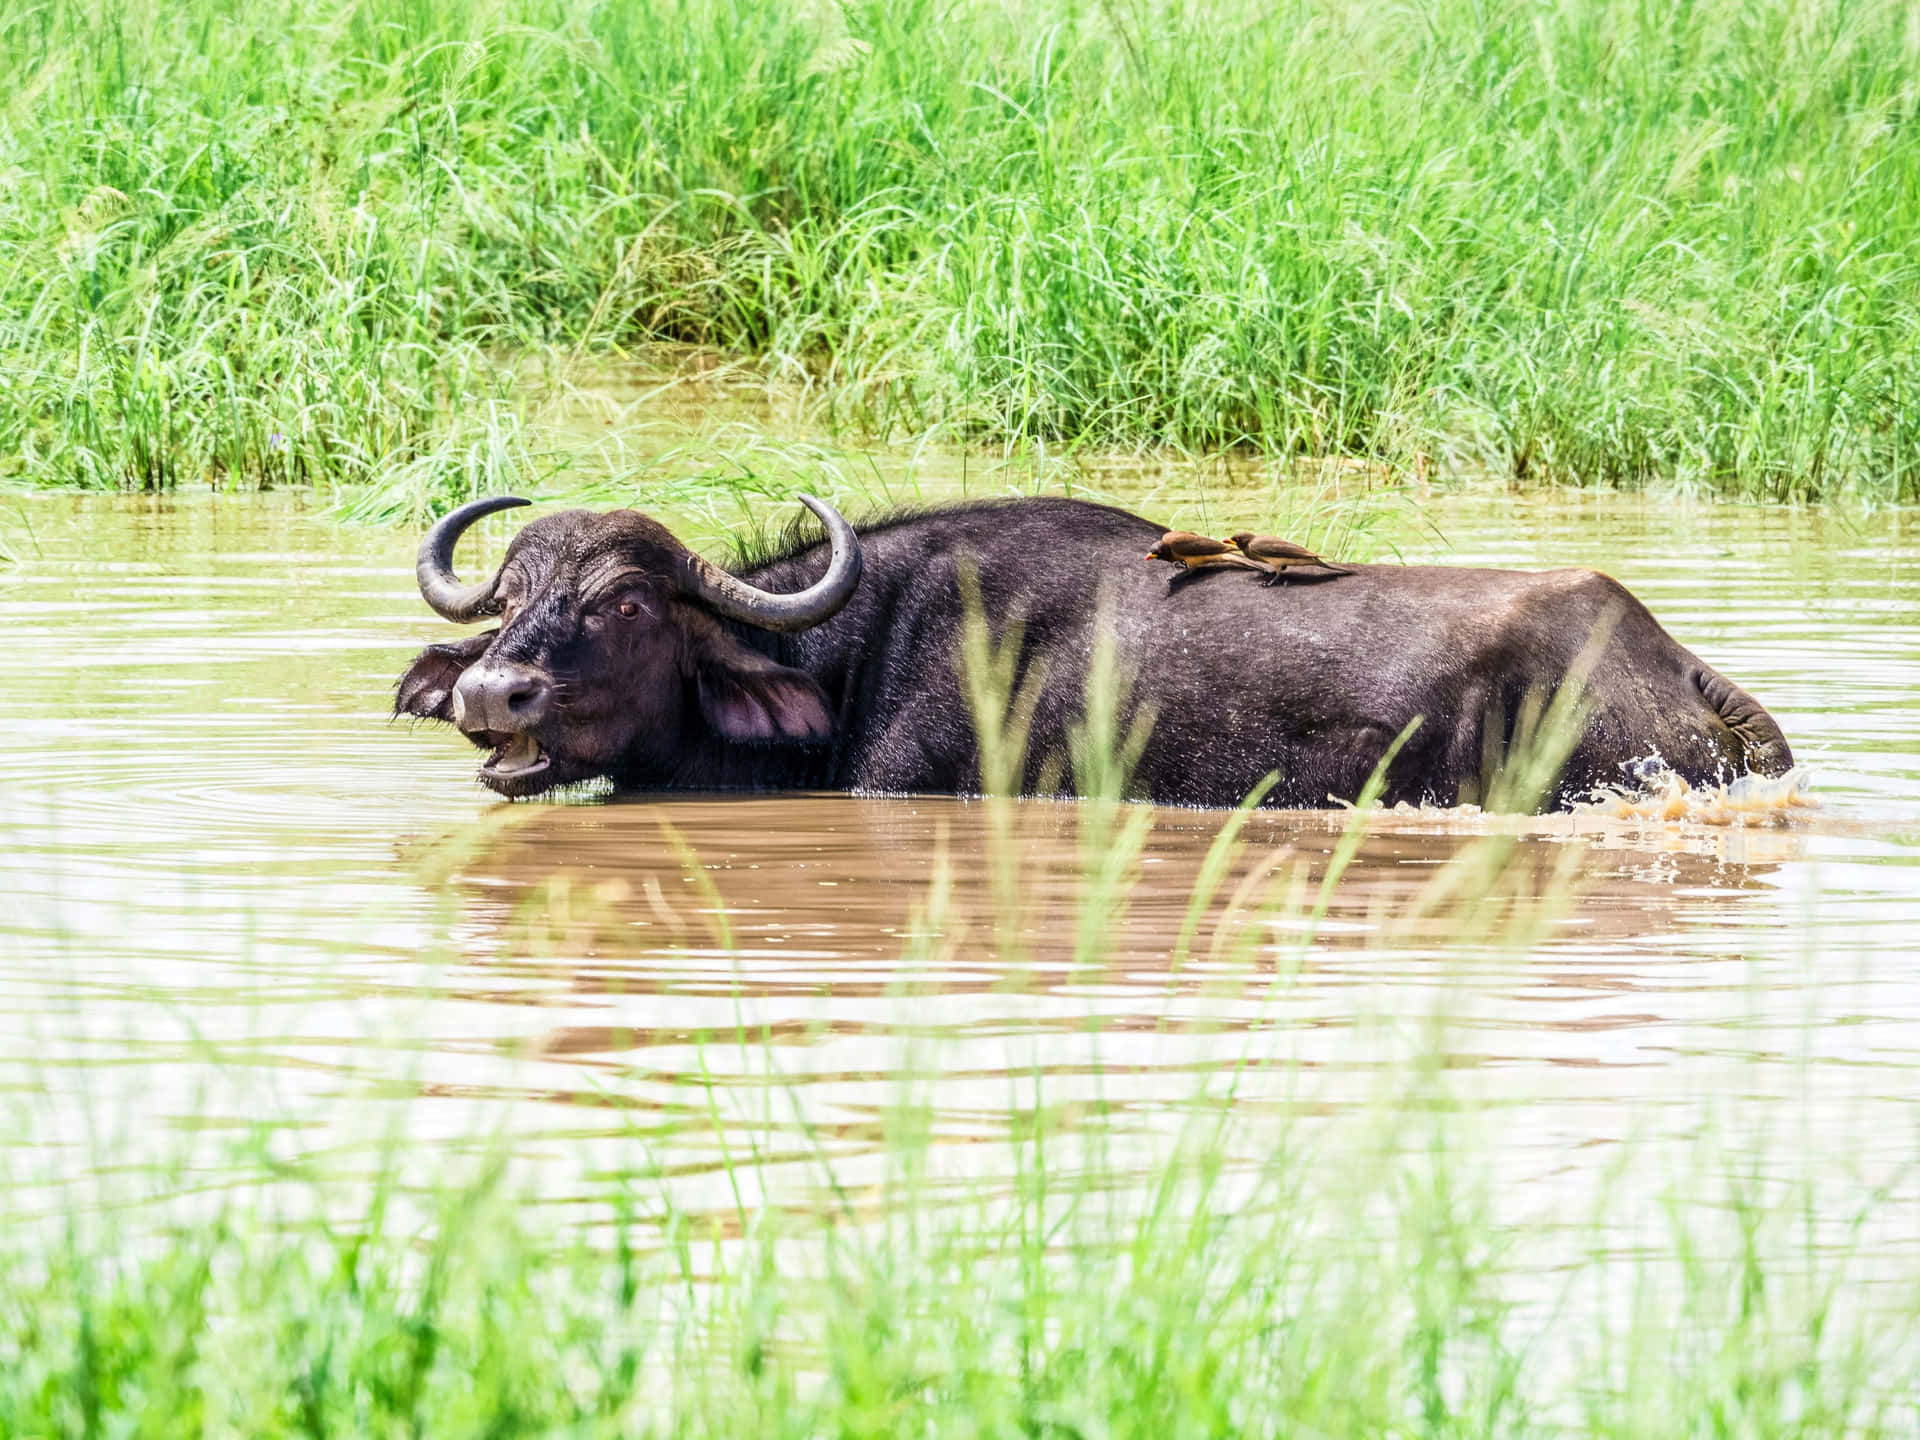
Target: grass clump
[[1248, 1277], [1573, 242]]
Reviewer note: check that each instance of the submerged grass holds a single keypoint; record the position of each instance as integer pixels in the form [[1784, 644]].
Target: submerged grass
[[257, 242]]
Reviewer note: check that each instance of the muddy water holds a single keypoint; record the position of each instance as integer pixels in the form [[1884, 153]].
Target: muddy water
[[242, 901]]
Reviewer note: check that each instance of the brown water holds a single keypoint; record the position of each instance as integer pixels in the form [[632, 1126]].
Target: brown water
[[240, 896]]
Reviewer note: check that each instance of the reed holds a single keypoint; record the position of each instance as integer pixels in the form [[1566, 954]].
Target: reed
[[1327, 1288], [258, 243]]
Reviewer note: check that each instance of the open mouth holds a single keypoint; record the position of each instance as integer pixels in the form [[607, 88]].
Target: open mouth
[[518, 759]]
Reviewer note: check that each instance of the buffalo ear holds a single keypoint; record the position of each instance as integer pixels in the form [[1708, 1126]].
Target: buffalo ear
[[426, 690], [753, 701]]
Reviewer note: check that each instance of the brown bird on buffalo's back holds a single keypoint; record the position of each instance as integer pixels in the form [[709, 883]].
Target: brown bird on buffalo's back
[[1277, 556], [1199, 552]]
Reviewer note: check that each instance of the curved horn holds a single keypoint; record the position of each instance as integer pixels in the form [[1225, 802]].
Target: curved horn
[[801, 610], [439, 586]]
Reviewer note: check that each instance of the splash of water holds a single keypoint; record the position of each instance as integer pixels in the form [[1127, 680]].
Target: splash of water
[[1657, 793]]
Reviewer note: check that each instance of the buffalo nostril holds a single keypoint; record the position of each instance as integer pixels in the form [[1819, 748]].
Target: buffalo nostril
[[501, 698]]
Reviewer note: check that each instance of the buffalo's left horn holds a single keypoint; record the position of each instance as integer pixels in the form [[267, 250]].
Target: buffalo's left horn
[[439, 586], [801, 610]]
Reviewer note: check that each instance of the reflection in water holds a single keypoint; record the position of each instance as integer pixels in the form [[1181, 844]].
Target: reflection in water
[[822, 895], [239, 894], [789, 929]]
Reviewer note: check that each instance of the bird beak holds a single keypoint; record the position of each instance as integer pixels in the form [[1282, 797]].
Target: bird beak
[[1152, 556]]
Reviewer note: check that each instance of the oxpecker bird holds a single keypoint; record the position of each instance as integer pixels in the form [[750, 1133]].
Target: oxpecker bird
[[1198, 552], [1277, 556]]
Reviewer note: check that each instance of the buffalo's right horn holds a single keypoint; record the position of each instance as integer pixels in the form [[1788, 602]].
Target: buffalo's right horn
[[439, 586], [801, 610]]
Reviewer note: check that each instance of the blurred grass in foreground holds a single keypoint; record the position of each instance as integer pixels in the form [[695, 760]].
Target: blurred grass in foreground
[[1351, 1282], [258, 243]]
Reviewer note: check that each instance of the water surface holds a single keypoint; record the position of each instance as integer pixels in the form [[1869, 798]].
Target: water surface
[[240, 896]]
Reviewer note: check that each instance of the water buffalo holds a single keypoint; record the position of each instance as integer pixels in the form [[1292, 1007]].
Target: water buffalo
[[833, 665]]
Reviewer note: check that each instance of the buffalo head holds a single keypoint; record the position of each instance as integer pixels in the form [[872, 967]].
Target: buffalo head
[[611, 654]]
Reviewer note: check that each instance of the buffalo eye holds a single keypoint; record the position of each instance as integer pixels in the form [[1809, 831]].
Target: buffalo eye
[[628, 609]]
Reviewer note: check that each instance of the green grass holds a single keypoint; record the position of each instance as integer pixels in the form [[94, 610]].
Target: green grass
[[1327, 1288], [1580, 241]]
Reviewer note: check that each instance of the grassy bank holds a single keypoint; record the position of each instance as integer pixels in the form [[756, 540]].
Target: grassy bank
[[1576, 242]]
